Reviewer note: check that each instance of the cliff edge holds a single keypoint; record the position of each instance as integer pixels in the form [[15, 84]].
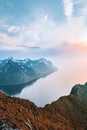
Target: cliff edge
[[67, 113]]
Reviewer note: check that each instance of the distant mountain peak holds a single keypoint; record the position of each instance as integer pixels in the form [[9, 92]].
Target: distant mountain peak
[[11, 60], [16, 72]]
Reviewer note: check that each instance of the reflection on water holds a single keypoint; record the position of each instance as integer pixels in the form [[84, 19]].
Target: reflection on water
[[71, 70], [15, 89], [45, 90]]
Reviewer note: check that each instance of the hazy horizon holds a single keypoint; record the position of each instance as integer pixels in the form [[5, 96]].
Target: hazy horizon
[[51, 29], [71, 71]]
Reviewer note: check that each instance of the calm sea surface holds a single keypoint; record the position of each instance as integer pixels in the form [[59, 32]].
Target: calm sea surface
[[71, 71]]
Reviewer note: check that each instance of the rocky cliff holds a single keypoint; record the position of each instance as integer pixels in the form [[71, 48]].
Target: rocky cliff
[[67, 113]]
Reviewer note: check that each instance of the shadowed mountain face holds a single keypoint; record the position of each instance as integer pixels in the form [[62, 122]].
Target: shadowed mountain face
[[16, 74], [67, 113]]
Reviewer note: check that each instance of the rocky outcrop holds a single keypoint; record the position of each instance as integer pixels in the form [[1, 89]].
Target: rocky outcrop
[[67, 113]]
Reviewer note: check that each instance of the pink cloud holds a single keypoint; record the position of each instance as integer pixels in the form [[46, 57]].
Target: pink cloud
[[4, 38]]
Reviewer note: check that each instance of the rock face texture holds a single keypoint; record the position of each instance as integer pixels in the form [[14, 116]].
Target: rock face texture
[[67, 113]]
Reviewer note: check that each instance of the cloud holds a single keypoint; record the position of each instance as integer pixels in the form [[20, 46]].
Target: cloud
[[11, 48], [68, 8], [73, 7], [74, 48], [4, 38], [46, 33], [28, 47], [13, 29], [79, 1], [35, 48]]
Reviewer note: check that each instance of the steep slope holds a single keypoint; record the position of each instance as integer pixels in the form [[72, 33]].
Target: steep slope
[[41, 66], [67, 113], [14, 72]]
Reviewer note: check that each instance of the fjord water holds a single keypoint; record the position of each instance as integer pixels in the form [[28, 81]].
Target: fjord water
[[71, 70]]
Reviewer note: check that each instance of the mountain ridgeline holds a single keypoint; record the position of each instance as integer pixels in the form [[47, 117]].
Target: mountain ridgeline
[[21, 72], [67, 113]]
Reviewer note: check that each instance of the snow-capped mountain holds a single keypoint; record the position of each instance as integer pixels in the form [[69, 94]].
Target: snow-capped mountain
[[14, 71], [41, 66]]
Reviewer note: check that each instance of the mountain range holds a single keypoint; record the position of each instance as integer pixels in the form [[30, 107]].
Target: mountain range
[[67, 113], [18, 73]]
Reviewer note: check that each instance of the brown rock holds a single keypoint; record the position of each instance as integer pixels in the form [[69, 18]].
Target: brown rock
[[67, 113]]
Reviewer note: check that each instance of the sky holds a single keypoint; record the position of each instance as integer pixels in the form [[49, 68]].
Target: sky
[[52, 29], [38, 28]]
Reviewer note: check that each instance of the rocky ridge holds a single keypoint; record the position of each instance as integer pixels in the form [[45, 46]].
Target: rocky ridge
[[67, 113]]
